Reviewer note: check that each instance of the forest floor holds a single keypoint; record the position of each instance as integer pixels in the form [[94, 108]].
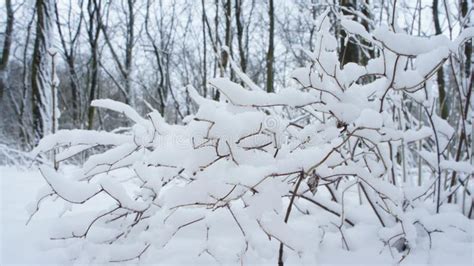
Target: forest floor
[[30, 244]]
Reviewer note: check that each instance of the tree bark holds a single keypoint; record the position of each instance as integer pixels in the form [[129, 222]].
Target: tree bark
[[93, 32], [204, 53], [271, 48], [443, 108], [228, 36], [40, 71], [6, 48], [240, 34], [349, 51], [468, 44], [130, 39]]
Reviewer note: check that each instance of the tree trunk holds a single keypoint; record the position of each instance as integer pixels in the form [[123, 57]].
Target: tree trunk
[[271, 48], [443, 107], [130, 39], [468, 45], [240, 34], [204, 49], [93, 32], [218, 64], [227, 38], [6, 48], [40, 72], [349, 51]]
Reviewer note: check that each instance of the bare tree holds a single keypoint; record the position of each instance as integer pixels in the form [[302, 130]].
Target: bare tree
[[227, 37], [124, 65], [6, 48], [464, 90], [271, 48], [69, 48], [23, 111], [93, 34], [40, 71], [240, 34], [160, 35], [204, 50], [443, 107]]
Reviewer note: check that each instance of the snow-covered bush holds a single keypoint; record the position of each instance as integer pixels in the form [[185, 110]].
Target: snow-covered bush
[[254, 159]]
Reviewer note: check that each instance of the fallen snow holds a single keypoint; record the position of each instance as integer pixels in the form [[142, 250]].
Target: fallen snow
[[30, 245]]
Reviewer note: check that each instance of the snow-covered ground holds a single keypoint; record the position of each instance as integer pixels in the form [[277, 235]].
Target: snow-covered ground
[[23, 244], [30, 245]]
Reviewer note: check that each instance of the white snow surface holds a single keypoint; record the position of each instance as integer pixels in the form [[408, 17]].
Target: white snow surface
[[31, 245]]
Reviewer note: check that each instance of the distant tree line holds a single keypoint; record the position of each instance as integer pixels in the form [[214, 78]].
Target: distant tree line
[[58, 56]]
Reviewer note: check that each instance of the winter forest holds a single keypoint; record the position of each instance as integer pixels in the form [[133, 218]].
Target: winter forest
[[236, 132]]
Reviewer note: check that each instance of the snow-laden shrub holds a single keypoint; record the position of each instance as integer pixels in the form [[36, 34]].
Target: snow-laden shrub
[[252, 160]]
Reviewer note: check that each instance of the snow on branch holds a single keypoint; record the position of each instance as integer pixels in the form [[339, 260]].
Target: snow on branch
[[258, 159]]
